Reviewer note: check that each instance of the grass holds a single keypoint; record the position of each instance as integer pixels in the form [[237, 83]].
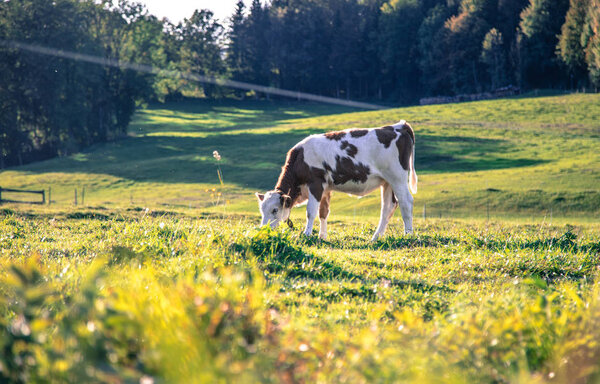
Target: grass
[[163, 275], [518, 157], [160, 295]]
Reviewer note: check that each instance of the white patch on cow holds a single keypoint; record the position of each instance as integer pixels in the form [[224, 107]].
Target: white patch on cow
[[271, 209], [399, 124]]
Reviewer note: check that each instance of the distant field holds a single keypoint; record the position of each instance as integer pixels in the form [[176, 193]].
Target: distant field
[[514, 158]]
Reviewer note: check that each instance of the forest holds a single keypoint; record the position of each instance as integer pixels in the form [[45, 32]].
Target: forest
[[392, 51]]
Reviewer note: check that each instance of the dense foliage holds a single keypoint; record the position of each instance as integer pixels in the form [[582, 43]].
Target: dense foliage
[[397, 50], [53, 106]]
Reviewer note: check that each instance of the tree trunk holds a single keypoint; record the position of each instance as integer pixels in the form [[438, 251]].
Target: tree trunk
[[347, 88]]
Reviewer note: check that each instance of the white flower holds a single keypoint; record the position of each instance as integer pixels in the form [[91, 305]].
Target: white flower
[[216, 155]]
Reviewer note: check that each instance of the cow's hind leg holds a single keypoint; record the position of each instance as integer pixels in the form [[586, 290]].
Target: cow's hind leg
[[323, 213], [405, 200], [388, 206]]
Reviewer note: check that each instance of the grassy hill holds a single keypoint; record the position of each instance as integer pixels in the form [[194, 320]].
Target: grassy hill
[[519, 157]]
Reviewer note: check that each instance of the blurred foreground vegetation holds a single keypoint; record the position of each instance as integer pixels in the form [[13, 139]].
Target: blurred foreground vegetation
[[148, 296]]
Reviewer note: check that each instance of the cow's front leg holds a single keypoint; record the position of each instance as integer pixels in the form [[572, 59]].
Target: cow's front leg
[[388, 206], [311, 213], [323, 213]]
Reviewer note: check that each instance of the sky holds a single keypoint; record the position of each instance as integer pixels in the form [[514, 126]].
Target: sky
[[177, 10]]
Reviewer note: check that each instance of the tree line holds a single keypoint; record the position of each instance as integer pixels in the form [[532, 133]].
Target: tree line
[[396, 50]]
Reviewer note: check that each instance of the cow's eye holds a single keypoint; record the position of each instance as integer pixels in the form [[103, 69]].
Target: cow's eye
[[275, 211]]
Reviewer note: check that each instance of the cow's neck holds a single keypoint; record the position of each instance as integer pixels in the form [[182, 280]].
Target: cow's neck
[[289, 181], [288, 185]]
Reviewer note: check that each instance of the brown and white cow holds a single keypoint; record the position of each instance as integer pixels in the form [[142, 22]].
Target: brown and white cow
[[354, 161]]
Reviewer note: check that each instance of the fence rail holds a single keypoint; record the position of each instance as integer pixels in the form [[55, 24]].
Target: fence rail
[[9, 190]]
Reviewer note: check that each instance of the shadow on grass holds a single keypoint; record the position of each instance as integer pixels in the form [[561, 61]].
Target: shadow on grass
[[227, 115], [279, 255], [437, 154], [565, 243], [251, 160]]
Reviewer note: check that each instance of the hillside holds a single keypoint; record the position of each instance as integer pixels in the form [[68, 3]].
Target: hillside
[[514, 157]]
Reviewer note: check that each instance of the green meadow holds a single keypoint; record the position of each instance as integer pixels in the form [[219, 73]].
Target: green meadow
[[162, 275], [520, 157]]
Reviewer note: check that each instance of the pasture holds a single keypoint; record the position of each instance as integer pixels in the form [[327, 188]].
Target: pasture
[[163, 275]]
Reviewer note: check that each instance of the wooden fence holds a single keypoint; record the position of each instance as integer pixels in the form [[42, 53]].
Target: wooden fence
[[8, 190]]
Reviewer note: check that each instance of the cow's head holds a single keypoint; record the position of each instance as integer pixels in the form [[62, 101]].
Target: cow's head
[[274, 207]]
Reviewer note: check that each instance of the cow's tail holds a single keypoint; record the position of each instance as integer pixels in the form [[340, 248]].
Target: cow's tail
[[413, 173], [411, 164]]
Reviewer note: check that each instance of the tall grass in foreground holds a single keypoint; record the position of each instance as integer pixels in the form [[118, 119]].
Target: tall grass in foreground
[[138, 298]]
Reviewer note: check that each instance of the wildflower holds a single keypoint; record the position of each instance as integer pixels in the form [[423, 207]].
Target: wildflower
[[216, 155], [303, 347], [161, 225]]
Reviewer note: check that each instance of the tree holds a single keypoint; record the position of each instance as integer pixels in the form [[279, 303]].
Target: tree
[[493, 56], [398, 50], [433, 63], [237, 55], [570, 48], [540, 25], [256, 44], [590, 39], [201, 51], [464, 38]]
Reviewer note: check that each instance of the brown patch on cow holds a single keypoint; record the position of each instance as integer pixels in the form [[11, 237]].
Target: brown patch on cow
[[346, 170], [408, 129], [285, 201], [295, 173], [358, 132], [335, 135], [324, 206], [351, 149], [385, 135], [315, 186], [405, 146]]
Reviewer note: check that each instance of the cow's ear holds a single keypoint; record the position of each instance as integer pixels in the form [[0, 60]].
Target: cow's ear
[[286, 201], [260, 196]]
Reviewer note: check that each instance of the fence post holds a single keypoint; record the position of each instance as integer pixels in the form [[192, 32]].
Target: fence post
[[49, 195], [43, 197], [75, 196], [0, 195], [424, 211], [83, 196]]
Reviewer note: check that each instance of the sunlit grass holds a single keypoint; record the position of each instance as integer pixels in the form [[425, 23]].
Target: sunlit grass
[[170, 297], [537, 155]]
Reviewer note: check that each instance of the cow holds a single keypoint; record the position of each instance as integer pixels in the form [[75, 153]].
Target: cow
[[354, 161]]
